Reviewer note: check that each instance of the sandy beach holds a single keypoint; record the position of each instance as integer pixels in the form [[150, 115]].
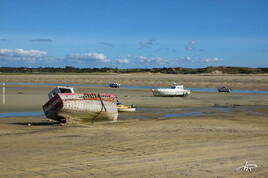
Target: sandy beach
[[160, 139]]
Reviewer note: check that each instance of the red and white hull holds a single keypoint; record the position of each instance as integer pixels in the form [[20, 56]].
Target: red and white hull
[[82, 107]]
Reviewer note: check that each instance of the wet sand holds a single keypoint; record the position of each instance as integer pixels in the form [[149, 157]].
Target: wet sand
[[21, 98], [210, 145]]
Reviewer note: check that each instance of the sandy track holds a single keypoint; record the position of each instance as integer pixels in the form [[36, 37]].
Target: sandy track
[[195, 147]]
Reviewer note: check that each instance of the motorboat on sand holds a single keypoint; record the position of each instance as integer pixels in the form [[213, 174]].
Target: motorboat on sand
[[174, 90], [124, 108], [114, 85], [224, 89]]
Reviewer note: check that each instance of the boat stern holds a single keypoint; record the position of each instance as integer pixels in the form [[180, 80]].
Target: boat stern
[[52, 107]]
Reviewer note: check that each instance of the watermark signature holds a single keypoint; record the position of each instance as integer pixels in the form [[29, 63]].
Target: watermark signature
[[4, 93], [247, 167]]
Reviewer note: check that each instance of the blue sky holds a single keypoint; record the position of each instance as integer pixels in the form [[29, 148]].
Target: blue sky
[[133, 33]]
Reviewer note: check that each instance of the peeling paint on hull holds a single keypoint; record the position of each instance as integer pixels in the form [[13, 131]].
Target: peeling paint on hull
[[85, 107]]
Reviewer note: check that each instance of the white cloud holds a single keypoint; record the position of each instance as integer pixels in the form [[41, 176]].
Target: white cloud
[[187, 58], [106, 44], [82, 57], [146, 44], [189, 48], [123, 61], [21, 57], [175, 61], [214, 59], [160, 60], [28, 56], [143, 59], [152, 60], [192, 42], [207, 59], [42, 40], [162, 49]]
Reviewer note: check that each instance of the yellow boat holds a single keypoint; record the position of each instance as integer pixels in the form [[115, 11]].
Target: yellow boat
[[123, 108]]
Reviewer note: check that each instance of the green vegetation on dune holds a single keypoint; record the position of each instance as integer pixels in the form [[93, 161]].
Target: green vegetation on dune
[[105, 70]]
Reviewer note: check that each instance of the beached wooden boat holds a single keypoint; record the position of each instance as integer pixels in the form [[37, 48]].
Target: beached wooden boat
[[65, 105], [174, 90]]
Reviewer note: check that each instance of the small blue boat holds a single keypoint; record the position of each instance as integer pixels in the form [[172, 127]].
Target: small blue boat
[[114, 85], [224, 89]]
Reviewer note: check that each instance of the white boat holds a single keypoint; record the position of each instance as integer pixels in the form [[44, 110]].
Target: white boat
[[224, 89], [174, 90], [66, 106]]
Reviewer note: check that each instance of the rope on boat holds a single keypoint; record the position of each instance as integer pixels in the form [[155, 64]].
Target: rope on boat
[[102, 103], [103, 106]]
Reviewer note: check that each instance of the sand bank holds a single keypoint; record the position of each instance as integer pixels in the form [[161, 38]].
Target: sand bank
[[245, 82], [21, 98]]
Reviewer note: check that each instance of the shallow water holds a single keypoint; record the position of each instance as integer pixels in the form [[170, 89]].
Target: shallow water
[[138, 87], [192, 114], [21, 114], [152, 113]]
